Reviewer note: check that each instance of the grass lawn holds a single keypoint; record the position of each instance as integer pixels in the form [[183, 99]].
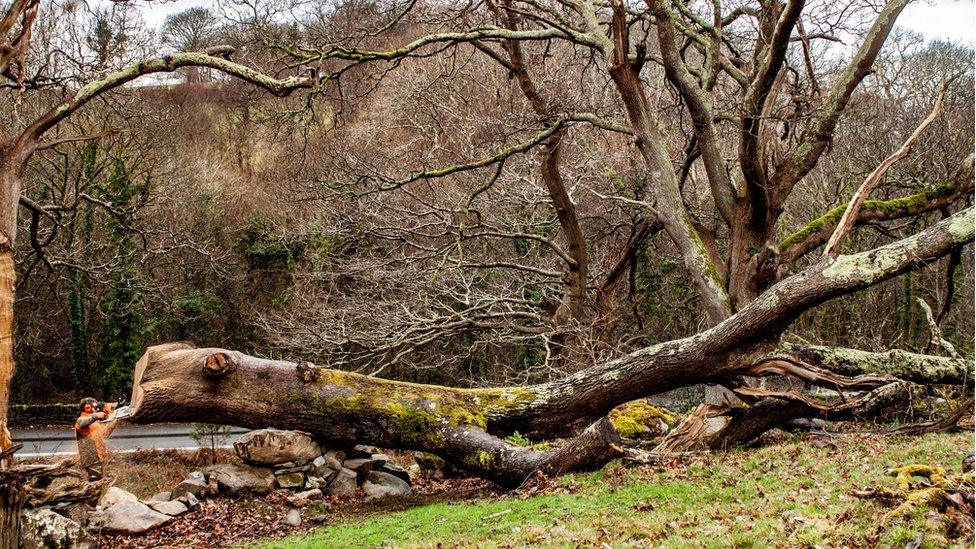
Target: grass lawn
[[789, 494]]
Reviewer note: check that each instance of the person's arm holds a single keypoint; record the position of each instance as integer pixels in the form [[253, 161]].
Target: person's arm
[[109, 424], [88, 420]]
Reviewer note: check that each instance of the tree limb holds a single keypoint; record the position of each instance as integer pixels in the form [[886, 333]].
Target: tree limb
[[874, 178]]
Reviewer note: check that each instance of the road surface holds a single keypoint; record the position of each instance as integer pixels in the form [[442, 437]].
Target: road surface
[[61, 440]]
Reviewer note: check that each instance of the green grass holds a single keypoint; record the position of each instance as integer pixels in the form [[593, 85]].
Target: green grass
[[784, 495]]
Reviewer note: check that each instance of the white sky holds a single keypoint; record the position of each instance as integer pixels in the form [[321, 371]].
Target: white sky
[[953, 20]]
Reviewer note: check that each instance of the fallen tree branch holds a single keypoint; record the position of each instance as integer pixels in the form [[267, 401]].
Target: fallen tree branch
[[904, 365], [785, 365], [462, 425], [771, 409]]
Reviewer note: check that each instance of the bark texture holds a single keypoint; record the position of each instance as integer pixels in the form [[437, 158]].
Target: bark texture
[[8, 278]]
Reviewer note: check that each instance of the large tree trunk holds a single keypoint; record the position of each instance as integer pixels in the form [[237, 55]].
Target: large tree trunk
[[177, 382], [8, 277], [9, 195]]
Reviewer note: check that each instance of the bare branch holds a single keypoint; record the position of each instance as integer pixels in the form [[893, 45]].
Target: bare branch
[[872, 181]]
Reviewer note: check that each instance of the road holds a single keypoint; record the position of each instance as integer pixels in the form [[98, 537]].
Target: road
[[57, 441]]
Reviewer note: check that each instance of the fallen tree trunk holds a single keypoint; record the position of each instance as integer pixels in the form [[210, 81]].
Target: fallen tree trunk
[[176, 382]]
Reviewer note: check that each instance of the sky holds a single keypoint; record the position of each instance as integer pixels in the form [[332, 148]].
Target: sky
[[953, 20]]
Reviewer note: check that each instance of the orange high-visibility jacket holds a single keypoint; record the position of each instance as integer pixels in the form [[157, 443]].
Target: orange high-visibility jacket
[[91, 435]]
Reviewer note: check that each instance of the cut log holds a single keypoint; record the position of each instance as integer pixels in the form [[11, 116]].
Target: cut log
[[35, 485]]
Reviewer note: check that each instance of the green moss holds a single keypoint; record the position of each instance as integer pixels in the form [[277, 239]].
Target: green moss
[[518, 439], [480, 459], [413, 423], [830, 218], [505, 399], [636, 419], [893, 207], [413, 406]]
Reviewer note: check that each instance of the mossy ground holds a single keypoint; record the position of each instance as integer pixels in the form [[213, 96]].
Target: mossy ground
[[788, 494]]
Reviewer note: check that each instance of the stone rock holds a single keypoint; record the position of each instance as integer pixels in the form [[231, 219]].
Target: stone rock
[[313, 482], [297, 469], [162, 496], [189, 486], [344, 485], [414, 471], [171, 508], [361, 466], [362, 451], [197, 475], [334, 458], [318, 462], [383, 458], [326, 473], [129, 517], [45, 528], [286, 464], [240, 480], [77, 511], [396, 470], [291, 480], [432, 466], [318, 519], [114, 495], [293, 518], [190, 501], [271, 446], [380, 485], [301, 499]]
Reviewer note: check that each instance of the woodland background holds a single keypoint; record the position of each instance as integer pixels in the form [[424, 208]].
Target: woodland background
[[204, 210]]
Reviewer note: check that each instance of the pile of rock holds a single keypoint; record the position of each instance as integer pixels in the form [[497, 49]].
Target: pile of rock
[[296, 462], [273, 460]]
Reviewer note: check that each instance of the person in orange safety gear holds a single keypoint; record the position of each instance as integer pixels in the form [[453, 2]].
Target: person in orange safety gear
[[91, 429]]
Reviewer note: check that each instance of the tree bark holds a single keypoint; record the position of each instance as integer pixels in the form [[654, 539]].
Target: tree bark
[[12, 497], [672, 213], [925, 369], [8, 276]]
